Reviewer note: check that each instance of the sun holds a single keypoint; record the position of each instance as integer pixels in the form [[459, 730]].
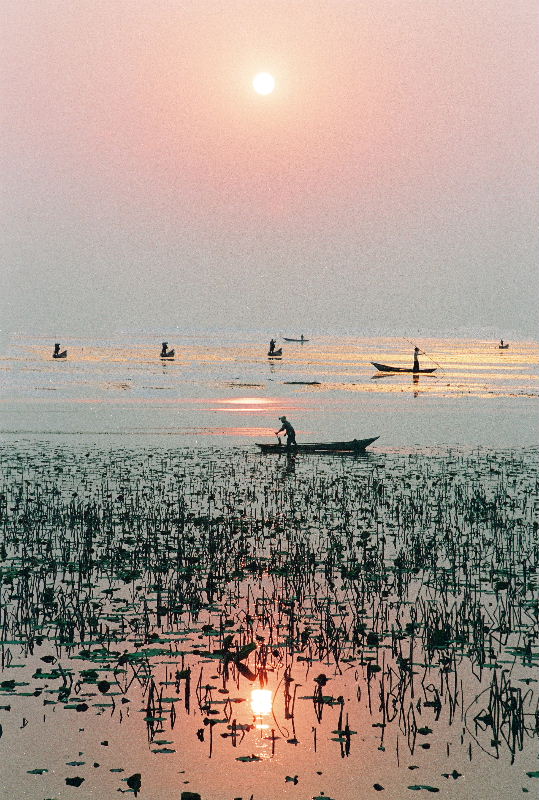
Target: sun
[[264, 83]]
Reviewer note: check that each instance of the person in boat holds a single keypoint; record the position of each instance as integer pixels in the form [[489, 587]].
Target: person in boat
[[272, 346], [164, 348], [301, 338], [416, 359], [289, 432]]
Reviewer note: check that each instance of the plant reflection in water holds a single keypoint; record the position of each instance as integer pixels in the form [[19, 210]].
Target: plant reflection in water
[[390, 603]]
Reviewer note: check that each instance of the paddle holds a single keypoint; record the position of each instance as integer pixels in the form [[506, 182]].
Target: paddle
[[423, 352]]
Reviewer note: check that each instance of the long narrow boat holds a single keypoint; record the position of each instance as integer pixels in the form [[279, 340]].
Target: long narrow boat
[[386, 368], [355, 446], [295, 340]]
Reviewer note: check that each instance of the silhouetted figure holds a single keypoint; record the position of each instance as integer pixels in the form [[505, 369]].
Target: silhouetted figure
[[301, 338], [289, 432], [271, 347], [503, 346], [165, 353], [416, 359], [57, 353]]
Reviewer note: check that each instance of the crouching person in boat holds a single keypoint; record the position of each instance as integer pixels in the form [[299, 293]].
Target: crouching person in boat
[[289, 432]]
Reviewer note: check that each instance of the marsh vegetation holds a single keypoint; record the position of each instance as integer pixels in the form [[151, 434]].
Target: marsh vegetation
[[387, 605]]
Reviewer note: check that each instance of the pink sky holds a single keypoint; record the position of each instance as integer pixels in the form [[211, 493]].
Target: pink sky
[[146, 183]]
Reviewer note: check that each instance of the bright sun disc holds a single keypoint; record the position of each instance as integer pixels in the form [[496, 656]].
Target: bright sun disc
[[264, 83]]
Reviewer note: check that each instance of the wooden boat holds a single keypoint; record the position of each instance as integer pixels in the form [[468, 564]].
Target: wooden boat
[[295, 340], [165, 352], [273, 353], [57, 353], [386, 368], [355, 446], [503, 346]]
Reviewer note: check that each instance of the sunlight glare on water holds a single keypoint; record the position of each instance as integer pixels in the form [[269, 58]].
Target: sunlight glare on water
[[328, 387]]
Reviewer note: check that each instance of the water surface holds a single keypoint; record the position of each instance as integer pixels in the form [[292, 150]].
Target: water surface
[[226, 388]]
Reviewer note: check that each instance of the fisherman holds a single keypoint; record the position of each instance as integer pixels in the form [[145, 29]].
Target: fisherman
[[301, 339], [416, 359], [57, 353], [272, 346], [289, 432], [164, 347]]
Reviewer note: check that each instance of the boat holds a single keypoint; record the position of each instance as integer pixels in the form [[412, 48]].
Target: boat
[[355, 446], [386, 368], [503, 346], [295, 340], [165, 352], [57, 353], [273, 353]]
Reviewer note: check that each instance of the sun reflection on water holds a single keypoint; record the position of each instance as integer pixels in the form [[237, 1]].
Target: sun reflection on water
[[261, 706]]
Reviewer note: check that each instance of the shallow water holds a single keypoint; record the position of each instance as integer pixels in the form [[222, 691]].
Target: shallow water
[[156, 570], [388, 604], [226, 391]]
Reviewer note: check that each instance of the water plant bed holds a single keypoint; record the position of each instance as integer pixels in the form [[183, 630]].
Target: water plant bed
[[308, 627]]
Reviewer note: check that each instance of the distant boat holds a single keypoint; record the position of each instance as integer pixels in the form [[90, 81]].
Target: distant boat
[[165, 353], [502, 346], [272, 353], [57, 353], [355, 446], [386, 368], [295, 340]]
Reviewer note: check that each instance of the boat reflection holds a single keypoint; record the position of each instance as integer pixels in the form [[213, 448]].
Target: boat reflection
[[290, 468]]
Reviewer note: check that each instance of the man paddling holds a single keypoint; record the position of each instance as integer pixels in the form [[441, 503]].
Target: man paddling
[[289, 432]]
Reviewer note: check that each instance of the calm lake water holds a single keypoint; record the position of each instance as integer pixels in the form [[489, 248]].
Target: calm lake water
[[226, 391], [179, 613]]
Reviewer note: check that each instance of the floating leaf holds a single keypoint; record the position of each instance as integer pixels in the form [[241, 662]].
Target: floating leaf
[[134, 782], [245, 651], [77, 781]]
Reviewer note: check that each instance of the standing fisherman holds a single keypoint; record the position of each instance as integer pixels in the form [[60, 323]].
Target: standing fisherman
[[289, 432], [416, 359]]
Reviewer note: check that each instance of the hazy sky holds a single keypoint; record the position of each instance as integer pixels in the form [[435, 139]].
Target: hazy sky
[[389, 182]]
